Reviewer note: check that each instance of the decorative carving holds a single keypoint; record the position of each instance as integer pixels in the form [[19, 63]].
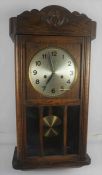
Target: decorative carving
[[55, 18], [48, 19], [58, 16], [32, 17], [52, 15]]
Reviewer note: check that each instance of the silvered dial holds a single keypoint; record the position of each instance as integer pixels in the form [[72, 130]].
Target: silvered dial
[[52, 71]]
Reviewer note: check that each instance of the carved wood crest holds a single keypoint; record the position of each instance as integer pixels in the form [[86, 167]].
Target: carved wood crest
[[51, 18]]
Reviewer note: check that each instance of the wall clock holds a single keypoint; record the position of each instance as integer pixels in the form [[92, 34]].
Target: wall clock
[[52, 65]]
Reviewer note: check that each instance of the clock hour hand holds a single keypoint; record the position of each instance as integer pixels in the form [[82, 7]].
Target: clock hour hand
[[52, 69], [48, 81]]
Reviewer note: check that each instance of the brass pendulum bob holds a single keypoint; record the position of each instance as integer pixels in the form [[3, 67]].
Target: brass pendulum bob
[[50, 124]]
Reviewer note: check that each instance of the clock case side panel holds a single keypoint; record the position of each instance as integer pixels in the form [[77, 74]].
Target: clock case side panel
[[19, 76], [85, 78]]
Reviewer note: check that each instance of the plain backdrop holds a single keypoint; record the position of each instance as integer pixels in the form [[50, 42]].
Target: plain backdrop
[[10, 8]]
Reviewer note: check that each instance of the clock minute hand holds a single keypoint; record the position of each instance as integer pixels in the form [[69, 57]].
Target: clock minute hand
[[51, 64], [52, 69]]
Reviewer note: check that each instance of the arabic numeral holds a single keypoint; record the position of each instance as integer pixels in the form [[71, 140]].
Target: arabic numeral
[[38, 63], [34, 72], [69, 63], [44, 55], [37, 81], [53, 90], [68, 81], [54, 53]]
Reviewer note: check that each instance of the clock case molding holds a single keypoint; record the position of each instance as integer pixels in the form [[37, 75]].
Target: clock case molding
[[52, 21]]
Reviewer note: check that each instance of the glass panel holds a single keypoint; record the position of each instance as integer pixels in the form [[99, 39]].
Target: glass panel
[[33, 139], [73, 114], [53, 130], [51, 141]]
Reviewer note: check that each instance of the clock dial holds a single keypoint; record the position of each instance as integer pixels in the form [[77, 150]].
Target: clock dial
[[52, 71]]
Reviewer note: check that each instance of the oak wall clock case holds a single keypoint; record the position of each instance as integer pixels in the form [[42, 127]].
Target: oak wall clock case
[[52, 66]]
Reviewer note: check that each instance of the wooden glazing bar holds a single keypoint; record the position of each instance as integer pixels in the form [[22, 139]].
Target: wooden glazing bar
[[65, 129], [41, 129], [51, 102]]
